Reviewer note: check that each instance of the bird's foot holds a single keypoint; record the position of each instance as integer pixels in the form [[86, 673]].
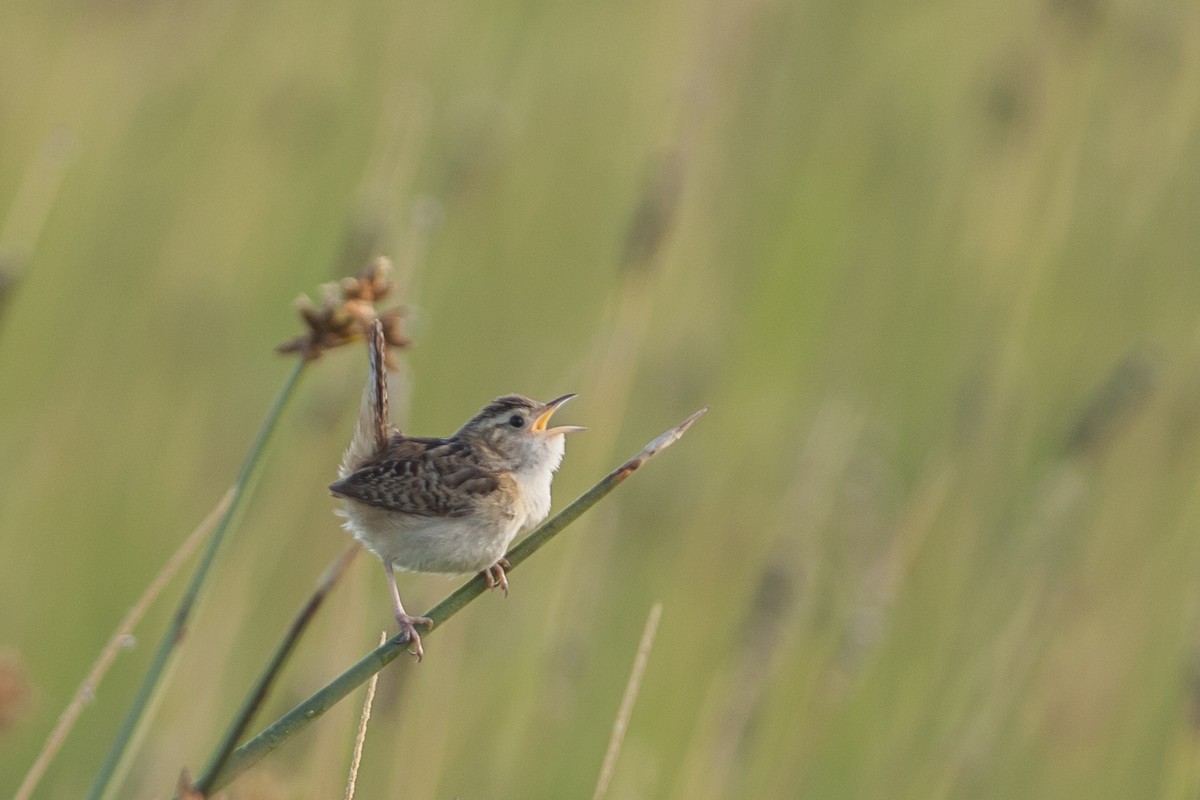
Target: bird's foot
[[408, 626], [494, 575]]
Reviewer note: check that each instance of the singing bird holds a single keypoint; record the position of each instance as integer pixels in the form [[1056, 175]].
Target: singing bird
[[450, 505]]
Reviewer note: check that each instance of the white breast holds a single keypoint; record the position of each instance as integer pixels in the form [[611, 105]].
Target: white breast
[[535, 494], [535, 481]]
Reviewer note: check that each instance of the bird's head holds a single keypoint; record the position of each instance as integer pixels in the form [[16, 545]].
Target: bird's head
[[512, 430]]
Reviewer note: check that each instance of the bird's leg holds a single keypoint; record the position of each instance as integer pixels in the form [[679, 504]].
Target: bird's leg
[[494, 575], [408, 625]]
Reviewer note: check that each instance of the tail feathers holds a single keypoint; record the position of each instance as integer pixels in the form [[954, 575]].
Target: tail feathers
[[372, 431]]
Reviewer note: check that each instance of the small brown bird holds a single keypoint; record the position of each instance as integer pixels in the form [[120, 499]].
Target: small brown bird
[[451, 505]]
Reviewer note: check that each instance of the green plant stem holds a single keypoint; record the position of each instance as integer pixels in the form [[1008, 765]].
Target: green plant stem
[[325, 698], [178, 627], [116, 643], [262, 686]]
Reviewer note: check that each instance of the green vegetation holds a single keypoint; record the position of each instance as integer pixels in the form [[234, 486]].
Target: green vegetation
[[932, 266]]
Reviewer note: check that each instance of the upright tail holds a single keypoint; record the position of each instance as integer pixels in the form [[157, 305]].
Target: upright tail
[[372, 430]]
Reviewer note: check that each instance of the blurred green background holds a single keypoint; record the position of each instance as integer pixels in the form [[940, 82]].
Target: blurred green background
[[933, 265]]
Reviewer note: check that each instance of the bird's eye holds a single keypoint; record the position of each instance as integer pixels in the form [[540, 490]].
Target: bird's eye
[[517, 421]]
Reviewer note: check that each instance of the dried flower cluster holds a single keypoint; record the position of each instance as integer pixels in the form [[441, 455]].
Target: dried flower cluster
[[346, 313]]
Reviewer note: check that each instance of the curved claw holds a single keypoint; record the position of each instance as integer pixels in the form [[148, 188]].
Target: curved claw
[[494, 575], [408, 626]]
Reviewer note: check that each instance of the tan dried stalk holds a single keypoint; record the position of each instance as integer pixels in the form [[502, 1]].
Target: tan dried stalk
[[627, 702], [362, 728]]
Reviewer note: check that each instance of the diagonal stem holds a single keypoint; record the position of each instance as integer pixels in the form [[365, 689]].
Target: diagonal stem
[[325, 698], [178, 627], [262, 686]]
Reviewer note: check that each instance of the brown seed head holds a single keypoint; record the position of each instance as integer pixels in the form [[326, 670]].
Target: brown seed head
[[372, 284], [346, 313]]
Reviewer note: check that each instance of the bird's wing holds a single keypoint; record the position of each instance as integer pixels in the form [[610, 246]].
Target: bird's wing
[[424, 477]]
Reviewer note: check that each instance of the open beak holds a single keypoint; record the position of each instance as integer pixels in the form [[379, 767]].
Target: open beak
[[539, 424]]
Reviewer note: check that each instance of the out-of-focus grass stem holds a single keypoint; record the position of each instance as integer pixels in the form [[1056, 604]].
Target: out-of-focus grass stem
[[632, 686], [120, 638], [35, 196], [178, 626]]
